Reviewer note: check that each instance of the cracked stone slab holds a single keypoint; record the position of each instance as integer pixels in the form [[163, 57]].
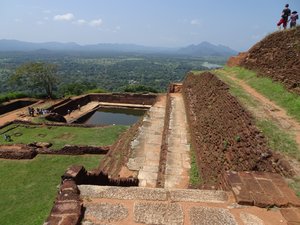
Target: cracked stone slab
[[127, 193], [208, 216], [107, 212], [186, 195], [158, 213]]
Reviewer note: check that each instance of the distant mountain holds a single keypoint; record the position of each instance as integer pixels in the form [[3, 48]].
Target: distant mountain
[[201, 50], [207, 49]]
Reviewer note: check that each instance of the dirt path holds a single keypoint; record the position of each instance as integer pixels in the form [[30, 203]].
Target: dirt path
[[273, 111]]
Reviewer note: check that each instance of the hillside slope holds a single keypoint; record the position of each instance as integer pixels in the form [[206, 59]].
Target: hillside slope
[[277, 56]]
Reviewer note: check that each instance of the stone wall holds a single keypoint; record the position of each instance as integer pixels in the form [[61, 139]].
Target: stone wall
[[15, 104], [164, 146], [142, 99], [223, 133]]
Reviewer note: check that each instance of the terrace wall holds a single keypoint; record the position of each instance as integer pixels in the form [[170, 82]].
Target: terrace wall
[[142, 99], [15, 104], [223, 133]]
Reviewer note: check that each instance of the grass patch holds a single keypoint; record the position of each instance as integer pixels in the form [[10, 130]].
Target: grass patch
[[60, 136], [270, 89], [195, 179], [236, 90], [28, 187], [279, 140], [295, 185]]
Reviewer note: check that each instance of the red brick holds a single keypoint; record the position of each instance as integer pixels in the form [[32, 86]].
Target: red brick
[[252, 185], [261, 175], [269, 188], [53, 220], [291, 214], [242, 196], [68, 196], [69, 185], [290, 195], [246, 175], [261, 200], [71, 220], [233, 177], [67, 207]]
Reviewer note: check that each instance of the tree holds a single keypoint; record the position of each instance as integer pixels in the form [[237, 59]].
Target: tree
[[37, 76]]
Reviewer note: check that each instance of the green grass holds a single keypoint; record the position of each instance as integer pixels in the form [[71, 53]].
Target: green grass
[[28, 187], [279, 140], [195, 178], [270, 89], [295, 184], [236, 90], [60, 136]]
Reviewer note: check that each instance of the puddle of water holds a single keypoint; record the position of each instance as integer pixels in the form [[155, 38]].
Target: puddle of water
[[117, 116]]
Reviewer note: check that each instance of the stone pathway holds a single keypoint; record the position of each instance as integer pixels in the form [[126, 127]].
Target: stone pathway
[[136, 205], [178, 155], [83, 110], [145, 150]]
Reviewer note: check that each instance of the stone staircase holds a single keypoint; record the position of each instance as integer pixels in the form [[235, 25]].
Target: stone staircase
[[137, 205]]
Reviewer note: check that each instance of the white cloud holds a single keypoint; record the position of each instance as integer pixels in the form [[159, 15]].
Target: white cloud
[[64, 17], [96, 23], [81, 22], [195, 22]]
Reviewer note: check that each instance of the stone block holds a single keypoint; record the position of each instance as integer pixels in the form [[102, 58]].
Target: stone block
[[291, 214], [185, 195], [107, 212], [67, 208], [69, 185], [70, 220], [207, 216], [158, 213], [242, 196]]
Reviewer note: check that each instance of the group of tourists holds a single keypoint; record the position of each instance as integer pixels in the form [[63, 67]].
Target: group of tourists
[[38, 111], [288, 16]]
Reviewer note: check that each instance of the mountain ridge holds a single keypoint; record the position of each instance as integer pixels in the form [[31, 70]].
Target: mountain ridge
[[202, 49]]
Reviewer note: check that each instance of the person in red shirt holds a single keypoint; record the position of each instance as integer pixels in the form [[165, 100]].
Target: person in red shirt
[[286, 12]]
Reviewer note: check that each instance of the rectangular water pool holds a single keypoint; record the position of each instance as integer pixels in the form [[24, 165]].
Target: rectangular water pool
[[117, 116]]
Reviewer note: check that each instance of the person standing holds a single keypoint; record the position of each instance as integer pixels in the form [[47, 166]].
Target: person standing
[[294, 17], [286, 12]]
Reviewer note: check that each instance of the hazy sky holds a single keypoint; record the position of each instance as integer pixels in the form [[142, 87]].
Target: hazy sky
[[163, 23]]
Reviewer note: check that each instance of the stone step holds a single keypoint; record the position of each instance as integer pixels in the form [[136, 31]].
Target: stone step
[[153, 194]]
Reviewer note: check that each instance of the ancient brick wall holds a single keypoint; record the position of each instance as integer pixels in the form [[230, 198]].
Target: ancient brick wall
[[277, 56], [223, 132]]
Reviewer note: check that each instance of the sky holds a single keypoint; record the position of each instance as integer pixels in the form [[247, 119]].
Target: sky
[[237, 24]]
